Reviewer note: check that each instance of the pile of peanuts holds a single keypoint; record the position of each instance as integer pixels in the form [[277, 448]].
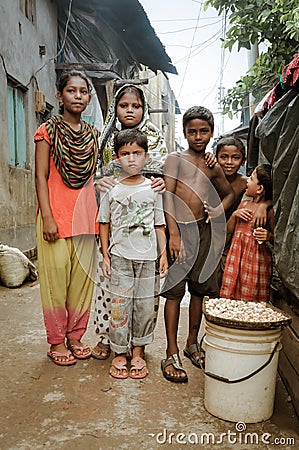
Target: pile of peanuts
[[242, 311]]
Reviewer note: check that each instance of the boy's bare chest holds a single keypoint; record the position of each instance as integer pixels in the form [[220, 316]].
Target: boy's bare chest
[[192, 171], [239, 185]]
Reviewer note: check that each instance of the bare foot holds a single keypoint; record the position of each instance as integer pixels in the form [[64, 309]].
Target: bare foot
[[173, 372]]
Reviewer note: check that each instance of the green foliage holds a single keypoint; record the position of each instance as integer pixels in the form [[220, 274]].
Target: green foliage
[[274, 23]]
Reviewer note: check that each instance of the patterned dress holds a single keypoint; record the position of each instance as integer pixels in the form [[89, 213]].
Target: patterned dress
[[248, 266]]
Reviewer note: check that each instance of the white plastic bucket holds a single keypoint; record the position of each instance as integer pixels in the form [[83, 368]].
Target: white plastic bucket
[[231, 355]]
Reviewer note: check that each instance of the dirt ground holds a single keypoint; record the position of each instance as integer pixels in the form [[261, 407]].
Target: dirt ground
[[81, 407]]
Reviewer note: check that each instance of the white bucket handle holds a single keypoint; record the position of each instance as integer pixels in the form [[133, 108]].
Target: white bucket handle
[[238, 380]]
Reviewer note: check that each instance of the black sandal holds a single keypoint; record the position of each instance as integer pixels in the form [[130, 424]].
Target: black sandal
[[173, 360], [104, 348], [197, 361]]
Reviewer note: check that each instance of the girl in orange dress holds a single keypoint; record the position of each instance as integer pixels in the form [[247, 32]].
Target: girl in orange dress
[[65, 162]]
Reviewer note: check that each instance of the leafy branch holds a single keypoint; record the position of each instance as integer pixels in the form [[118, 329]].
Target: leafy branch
[[274, 23]]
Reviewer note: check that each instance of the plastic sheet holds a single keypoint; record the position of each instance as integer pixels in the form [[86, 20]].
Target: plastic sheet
[[110, 32], [279, 141]]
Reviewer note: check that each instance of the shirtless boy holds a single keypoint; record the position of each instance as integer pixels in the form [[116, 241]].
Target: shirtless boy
[[230, 154], [189, 183]]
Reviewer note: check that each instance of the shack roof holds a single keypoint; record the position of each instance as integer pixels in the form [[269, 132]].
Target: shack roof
[[110, 37]]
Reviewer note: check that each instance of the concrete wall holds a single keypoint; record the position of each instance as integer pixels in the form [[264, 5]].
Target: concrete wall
[[19, 51], [160, 96]]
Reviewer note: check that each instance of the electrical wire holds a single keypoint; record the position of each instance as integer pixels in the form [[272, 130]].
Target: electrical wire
[[194, 92], [177, 45], [197, 49], [193, 51], [187, 64], [211, 40], [216, 82], [66, 29], [62, 46], [181, 20], [3, 63], [17, 85], [167, 103], [33, 77], [191, 28]]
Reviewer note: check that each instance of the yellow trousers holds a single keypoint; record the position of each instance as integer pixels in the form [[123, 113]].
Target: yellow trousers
[[66, 271]]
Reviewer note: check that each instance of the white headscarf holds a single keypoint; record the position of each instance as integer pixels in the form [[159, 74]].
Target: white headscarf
[[156, 144]]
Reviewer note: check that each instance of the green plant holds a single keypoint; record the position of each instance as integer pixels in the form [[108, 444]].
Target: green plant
[[275, 23]]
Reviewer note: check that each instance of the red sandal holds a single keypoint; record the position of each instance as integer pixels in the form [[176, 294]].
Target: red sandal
[[120, 363], [137, 364]]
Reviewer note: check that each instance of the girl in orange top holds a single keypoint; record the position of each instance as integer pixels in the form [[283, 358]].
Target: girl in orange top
[[65, 162]]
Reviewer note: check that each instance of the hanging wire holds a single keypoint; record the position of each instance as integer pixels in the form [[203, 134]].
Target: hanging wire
[[66, 29], [62, 46], [221, 87], [181, 20], [216, 82], [189, 56], [197, 48], [190, 28]]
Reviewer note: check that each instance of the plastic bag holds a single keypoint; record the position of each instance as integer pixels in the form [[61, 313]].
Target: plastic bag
[[15, 267]]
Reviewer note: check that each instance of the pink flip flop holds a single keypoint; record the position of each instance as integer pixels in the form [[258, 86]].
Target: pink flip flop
[[75, 348], [138, 364], [68, 362]]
